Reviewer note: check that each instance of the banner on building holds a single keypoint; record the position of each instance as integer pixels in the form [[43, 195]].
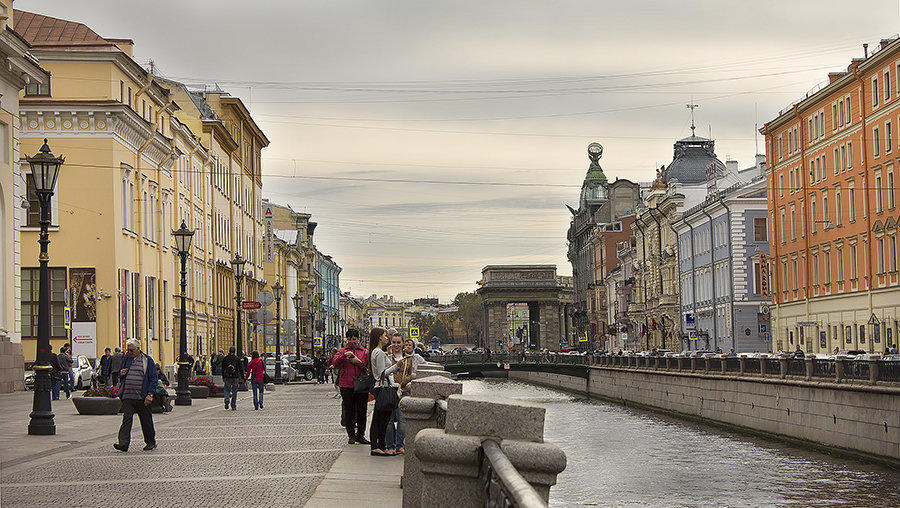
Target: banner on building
[[269, 235], [123, 307], [763, 275]]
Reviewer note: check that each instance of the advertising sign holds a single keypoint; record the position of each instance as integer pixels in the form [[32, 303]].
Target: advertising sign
[[763, 275], [269, 235], [84, 339]]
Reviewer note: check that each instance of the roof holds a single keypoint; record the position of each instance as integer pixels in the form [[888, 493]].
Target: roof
[[693, 155], [40, 30]]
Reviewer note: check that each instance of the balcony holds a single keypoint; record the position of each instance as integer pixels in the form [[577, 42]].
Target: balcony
[[636, 307]]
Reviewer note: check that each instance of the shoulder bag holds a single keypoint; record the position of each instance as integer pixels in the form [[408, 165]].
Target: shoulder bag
[[387, 398], [364, 383]]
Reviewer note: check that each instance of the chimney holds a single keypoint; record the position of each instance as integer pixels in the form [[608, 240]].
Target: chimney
[[865, 50], [760, 160], [731, 166]]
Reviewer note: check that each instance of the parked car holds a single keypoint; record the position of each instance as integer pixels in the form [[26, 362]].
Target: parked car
[[304, 367], [83, 372], [851, 354], [29, 380], [288, 373]]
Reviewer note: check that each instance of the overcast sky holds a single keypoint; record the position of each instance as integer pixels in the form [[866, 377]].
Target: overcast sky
[[429, 139]]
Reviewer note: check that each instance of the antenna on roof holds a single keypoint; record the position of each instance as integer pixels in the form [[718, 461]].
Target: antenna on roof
[[152, 67], [692, 107]]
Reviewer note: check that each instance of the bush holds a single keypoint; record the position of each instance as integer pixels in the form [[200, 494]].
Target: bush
[[202, 381], [104, 391]]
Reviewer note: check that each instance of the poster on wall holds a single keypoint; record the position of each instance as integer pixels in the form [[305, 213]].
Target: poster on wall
[[83, 293]]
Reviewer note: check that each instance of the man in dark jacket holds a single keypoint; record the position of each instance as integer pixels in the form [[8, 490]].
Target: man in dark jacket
[[105, 362], [55, 375], [216, 363], [140, 381], [115, 365], [232, 374]]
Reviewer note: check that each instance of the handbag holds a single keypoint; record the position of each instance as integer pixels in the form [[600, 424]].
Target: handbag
[[160, 388], [364, 383], [387, 398]]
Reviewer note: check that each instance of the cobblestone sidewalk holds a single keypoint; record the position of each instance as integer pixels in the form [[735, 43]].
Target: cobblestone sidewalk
[[207, 456]]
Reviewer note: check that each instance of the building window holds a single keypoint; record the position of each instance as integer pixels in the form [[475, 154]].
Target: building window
[[875, 92], [841, 113], [780, 147], [888, 137], [783, 235], [840, 264], [890, 187], [793, 223], [781, 185], [881, 256], [760, 233], [876, 142], [39, 88], [812, 212], [847, 107], [837, 204], [879, 204], [851, 198], [825, 205], [887, 85], [893, 253], [796, 273], [815, 269], [849, 155], [827, 267], [31, 280], [853, 273]]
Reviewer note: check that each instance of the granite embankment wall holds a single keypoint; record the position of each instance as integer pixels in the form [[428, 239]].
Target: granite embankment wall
[[852, 418]]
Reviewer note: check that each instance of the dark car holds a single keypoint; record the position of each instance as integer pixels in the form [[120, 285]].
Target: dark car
[[305, 367]]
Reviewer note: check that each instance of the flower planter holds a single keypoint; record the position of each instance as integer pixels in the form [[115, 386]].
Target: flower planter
[[96, 405], [199, 392]]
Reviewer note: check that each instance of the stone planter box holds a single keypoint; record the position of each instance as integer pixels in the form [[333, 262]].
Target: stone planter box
[[199, 392], [96, 405], [220, 394]]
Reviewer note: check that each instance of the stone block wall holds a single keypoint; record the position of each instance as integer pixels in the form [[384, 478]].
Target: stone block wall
[[12, 366], [857, 418]]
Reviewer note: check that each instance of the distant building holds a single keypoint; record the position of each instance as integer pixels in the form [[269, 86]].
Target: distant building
[[720, 244], [833, 210]]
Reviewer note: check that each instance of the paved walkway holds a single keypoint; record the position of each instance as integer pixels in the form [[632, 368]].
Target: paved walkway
[[207, 456]]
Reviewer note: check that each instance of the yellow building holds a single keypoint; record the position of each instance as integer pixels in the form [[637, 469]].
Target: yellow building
[[18, 69]]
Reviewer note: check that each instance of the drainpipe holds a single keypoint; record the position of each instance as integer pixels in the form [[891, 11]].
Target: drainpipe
[[734, 334], [865, 173], [139, 245], [712, 259]]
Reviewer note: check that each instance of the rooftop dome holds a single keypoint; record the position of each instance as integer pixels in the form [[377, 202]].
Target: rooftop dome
[[595, 187], [693, 155]]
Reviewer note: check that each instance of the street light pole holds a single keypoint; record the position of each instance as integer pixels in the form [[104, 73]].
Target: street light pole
[[276, 289], [296, 299], [237, 266], [183, 244], [44, 172]]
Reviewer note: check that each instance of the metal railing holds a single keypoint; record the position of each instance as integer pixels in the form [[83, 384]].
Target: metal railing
[[504, 486]]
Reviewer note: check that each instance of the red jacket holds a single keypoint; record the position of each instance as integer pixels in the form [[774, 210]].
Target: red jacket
[[255, 370], [350, 370]]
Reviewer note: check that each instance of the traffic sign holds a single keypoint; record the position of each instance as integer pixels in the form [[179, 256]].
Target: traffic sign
[[265, 298], [250, 305], [874, 320], [317, 341], [67, 317], [263, 316], [692, 335], [289, 325], [414, 333], [762, 328]]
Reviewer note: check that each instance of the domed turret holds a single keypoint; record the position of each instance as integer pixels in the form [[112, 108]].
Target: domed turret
[[595, 188], [693, 155]]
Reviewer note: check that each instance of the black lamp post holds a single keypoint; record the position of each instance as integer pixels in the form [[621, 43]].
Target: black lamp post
[[183, 238], [276, 291], [296, 298], [324, 315], [44, 172], [237, 266]]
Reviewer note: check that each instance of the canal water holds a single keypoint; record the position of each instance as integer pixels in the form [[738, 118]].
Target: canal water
[[619, 456]]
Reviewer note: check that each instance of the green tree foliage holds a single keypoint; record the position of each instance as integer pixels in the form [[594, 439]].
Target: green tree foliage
[[423, 322], [437, 330], [469, 313]]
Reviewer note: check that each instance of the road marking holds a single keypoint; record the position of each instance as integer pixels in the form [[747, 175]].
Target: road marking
[[163, 481]]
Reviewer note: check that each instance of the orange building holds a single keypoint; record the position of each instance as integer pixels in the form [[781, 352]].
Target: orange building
[[833, 210]]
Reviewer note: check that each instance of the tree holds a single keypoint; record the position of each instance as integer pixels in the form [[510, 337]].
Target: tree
[[469, 313], [424, 322], [438, 330]]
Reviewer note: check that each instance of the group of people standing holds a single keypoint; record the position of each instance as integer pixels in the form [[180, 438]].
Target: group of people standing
[[392, 362]]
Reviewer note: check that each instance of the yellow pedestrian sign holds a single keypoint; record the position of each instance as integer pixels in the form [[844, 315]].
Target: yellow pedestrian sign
[[414, 333], [583, 338], [317, 341], [692, 335]]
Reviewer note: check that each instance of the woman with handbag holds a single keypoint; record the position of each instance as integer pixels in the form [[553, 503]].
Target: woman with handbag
[[386, 397], [351, 360]]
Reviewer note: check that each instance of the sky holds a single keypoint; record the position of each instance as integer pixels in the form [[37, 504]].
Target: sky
[[430, 139]]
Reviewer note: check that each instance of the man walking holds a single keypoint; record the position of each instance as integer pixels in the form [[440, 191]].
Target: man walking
[[105, 362], [139, 372], [232, 373], [217, 363], [115, 365]]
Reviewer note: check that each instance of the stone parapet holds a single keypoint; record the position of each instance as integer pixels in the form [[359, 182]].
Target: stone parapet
[[12, 366]]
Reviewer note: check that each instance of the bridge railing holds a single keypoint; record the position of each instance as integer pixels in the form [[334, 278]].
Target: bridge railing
[[503, 484]]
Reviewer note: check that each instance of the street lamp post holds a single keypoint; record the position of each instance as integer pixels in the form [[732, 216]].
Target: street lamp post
[[276, 290], [296, 299], [183, 238], [44, 172], [237, 266], [324, 313]]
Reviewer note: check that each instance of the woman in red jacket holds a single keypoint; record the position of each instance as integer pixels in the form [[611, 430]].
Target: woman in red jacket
[[255, 370], [351, 359]]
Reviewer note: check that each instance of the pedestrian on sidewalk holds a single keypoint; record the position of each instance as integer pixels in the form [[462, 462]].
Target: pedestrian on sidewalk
[[139, 373], [393, 437], [69, 372], [161, 396], [115, 364], [381, 368], [55, 374], [232, 373], [62, 366], [352, 360], [217, 363], [104, 367], [255, 370]]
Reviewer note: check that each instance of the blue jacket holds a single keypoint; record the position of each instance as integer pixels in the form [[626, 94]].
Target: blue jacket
[[150, 378]]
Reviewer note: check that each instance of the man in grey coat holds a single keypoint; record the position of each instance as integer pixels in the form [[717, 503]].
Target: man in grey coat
[[115, 363]]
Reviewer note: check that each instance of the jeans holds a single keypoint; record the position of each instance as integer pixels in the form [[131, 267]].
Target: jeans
[[54, 387], [353, 407], [129, 408], [258, 388], [64, 379], [114, 378], [396, 430], [231, 389]]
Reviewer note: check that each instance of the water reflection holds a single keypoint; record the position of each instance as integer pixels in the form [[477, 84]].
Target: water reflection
[[623, 457]]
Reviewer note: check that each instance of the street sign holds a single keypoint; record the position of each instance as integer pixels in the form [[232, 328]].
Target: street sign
[[414, 333], [250, 305], [762, 328], [317, 341], [67, 317], [692, 335], [804, 323], [289, 325], [767, 337], [505, 366], [265, 298], [264, 316], [874, 320], [763, 275]]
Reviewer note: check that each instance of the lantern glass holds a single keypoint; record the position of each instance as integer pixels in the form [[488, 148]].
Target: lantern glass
[[237, 266], [296, 299], [276, 290], [45, 169], [183, 238]]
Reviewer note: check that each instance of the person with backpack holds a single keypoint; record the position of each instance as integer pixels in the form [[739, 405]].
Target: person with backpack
[[232, 373], [256, 373]]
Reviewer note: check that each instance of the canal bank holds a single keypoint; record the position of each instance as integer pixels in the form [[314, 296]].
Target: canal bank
[[857, 420], [621, 456]]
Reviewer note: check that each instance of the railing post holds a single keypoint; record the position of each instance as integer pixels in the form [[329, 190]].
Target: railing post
[[693, 364], [783, 364], [762, 366], [420, 413], [742, 361], [838, 369], [706, 364], [810, 367], [723, 364], [873, 370]]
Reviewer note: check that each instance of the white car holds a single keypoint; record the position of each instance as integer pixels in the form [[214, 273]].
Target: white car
[[81, 366], [288, 373]]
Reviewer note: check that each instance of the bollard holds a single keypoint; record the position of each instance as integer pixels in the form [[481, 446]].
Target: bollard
[[742, 361], [839, 368], [783, 364], [810, 367], [873, 370]]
